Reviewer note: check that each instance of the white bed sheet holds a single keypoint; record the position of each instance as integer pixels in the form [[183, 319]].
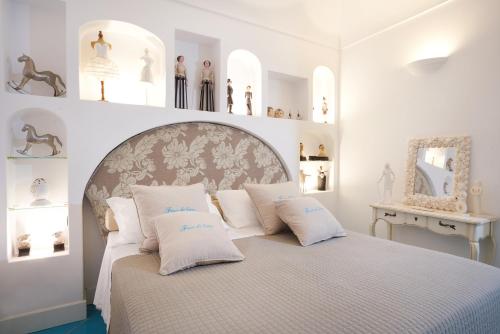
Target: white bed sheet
[[116, 249]]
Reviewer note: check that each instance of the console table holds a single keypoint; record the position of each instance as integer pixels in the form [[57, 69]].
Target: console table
[[473, 228]]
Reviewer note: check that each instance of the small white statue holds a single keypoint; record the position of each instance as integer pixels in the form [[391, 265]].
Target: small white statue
[[388, 177], [40, 191], [476, 192], [147, 72]]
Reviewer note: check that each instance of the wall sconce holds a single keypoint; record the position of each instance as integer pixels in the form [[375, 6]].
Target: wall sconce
[[426, 66]]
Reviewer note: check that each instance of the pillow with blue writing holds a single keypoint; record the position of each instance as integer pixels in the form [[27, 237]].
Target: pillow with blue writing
[[310, 221], [189, 239]]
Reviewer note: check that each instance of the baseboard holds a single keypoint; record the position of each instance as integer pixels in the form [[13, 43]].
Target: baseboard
[[44, 318]]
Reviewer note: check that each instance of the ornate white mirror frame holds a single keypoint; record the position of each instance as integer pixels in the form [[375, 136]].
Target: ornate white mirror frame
[[457, 201]]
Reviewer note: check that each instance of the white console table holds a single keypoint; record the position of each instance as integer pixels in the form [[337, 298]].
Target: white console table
[[473, 228]]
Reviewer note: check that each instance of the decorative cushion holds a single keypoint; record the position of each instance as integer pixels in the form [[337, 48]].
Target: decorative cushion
[[125, 214], [157, 200], [189, 239], [310, 221], [237, 208], [212, 208], [263, 197]]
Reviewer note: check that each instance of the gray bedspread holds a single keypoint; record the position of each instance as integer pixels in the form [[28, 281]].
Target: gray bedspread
[[356, 284]]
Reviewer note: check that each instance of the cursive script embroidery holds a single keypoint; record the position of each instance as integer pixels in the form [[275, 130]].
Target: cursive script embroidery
[[185, 227], [312, 210], [171, 209]]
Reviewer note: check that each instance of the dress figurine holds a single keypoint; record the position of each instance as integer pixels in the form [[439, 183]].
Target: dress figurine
[[248, 98], [207, 87], [147, 72], [229, 96], [101, 66], [324, 109], [388, 177], [181, 100]]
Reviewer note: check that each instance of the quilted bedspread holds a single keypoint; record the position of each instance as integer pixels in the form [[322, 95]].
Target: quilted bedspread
[[355, 284]]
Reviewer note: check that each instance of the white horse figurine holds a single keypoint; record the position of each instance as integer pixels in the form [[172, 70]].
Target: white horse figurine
[[30, 73], [33, 138]]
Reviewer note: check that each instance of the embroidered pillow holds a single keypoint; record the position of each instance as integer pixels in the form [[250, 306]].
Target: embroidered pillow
[[310, 221], [157, 200], [191, 239], [263, 197]]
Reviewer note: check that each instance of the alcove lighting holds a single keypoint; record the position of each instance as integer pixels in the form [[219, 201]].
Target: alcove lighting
[[427, 65]]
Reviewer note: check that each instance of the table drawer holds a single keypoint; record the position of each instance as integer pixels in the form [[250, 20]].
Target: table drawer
[[417, 220], [392, 217], [447, 227]]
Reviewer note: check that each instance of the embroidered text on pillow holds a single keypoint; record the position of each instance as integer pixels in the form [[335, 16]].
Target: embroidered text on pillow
[[312, 210], [171, 209], [185, 227]]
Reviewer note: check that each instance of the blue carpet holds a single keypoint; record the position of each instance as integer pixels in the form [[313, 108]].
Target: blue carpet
[[92, 325]]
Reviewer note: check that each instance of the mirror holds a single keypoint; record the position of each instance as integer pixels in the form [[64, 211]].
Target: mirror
[[434, 172], [438, 172]]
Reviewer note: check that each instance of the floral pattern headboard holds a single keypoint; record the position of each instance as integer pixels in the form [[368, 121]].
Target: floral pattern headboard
[[219, 156]]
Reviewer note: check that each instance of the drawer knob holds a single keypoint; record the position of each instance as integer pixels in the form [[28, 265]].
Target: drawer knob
[[387, 214], [447, 225], [416, 218]]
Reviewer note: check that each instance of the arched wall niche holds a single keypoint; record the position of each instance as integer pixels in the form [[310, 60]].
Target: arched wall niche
[[129, 43], [324, 87], [244, 69]]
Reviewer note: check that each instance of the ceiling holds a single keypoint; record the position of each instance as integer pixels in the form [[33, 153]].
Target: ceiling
[[325, 21]]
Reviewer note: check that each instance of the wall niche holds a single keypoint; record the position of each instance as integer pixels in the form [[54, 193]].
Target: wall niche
[[324, 95], [134, 71]]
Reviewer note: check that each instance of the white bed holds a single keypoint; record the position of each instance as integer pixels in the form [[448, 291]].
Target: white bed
[[116, 249]]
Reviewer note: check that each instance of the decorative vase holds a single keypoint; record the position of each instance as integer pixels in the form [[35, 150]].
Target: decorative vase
[[40, 191]]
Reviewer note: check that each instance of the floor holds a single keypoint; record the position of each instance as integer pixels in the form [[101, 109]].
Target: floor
[[92, 325]]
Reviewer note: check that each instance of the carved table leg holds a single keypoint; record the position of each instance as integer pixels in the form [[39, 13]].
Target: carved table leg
[[474, 250], [374, 222], [389, 231], [493, 245]]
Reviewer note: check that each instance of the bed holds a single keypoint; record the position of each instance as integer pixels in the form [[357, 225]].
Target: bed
[[354, 284]]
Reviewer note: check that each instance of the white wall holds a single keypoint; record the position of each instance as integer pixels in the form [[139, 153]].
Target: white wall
[[95, 128], [383, 106]]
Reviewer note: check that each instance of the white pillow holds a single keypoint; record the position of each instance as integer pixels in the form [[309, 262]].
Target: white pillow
[[310, 221], [213, 209], [237, 208], [189, 239], [126, 218]]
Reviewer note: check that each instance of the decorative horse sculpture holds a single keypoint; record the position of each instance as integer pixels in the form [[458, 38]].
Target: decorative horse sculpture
[[30, 73], [33, 138]]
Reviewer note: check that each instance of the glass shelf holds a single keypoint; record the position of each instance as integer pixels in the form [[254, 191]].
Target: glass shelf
[[36, 158], [42, 207], [39, 253]]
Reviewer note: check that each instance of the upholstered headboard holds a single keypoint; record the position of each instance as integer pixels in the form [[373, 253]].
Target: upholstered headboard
[[219, 156]]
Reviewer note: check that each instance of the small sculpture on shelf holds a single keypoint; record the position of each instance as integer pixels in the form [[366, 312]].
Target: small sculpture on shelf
[[299, 117], [324, 109], [476, 192], [248, 99], [270, 112], [229, 96], [290, 115], [302, 154], [388, 177], [33, 138], [302, 180], [147, 72], [207, 87], [322, 177], [181, 99], [59, 241], [279, 113], [322, 155], [30, 73], [40, 191], [100, 66], [23, 245]]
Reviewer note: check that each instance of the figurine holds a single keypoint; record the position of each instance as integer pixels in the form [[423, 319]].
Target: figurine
[[248, 98], [322, 151], [59, 241], [321, 179], [278, 113], [324, 109], [229, 96], [298, 115], [33, 138], [270, 112], [40, 191], [388, 177], [24, 244], [207, 87], [302, 180], [147, 73], [30, 73], [100, 65], [302, 155], [289, 115], [476, 191], [181, 100]]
